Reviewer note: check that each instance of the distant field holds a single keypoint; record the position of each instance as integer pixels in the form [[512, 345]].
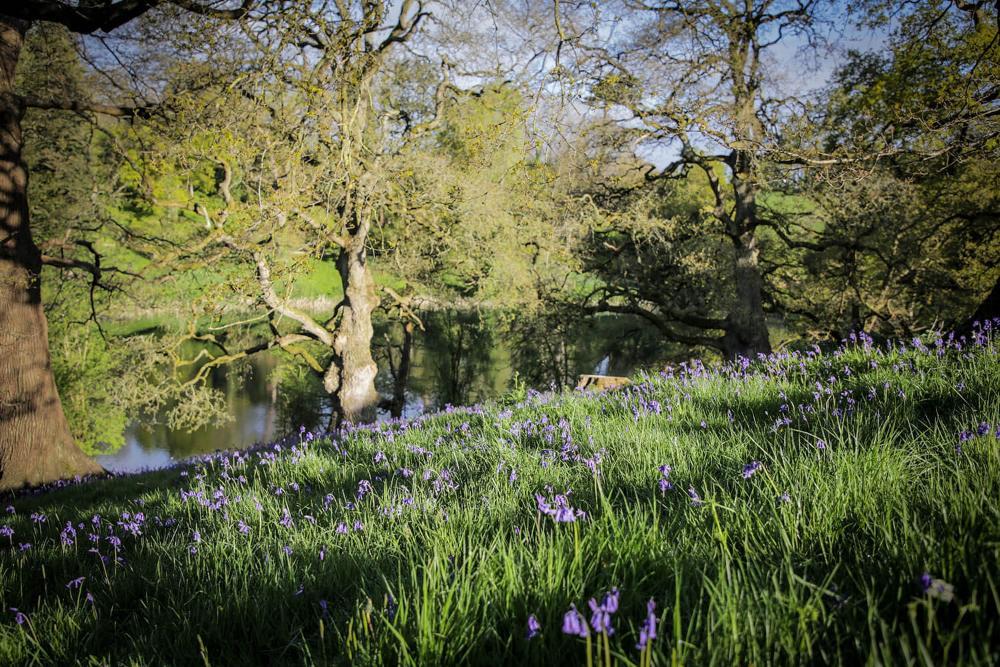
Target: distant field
[[806, 508]]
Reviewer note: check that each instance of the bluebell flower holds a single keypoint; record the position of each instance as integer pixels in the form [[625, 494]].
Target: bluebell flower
[[534, 627], [647, 631], [574, 623]]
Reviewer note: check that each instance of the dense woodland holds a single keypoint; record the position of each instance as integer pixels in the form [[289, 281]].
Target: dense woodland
[[281, 176]]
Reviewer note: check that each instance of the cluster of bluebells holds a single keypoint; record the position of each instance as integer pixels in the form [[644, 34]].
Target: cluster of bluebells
[[664, 482], [220, 486], [601, 621], [559, 507], [982, 430], [601, 614]]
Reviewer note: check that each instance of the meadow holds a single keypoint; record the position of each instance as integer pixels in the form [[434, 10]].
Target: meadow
[[815, 506]]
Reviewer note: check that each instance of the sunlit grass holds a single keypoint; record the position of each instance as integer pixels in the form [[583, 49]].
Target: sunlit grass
[[869, 532]]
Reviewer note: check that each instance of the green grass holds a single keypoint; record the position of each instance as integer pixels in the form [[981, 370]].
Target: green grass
[[830, 575]]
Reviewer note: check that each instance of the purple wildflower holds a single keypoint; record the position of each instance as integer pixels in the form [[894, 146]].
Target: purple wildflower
[[820, 444], [574, 623], [242, 527], [750, 469], [287, 549], [937, 588], [600, 617], [647, 631], [610, 602], [68, 535], [695, 498], [75, 583], [534, 627], [19, 616], [564, 515], [341, 528]]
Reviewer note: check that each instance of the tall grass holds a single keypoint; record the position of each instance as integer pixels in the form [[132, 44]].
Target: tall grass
[[817, 508]]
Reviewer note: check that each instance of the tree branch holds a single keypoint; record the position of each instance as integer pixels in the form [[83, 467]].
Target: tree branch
[[87, 18]]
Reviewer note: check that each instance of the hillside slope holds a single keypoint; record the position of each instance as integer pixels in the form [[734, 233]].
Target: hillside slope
[[836, 508]]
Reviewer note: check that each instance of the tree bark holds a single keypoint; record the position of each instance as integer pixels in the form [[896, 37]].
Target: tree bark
[[988, 309], [746, 325], [350, 379], [36, 445]]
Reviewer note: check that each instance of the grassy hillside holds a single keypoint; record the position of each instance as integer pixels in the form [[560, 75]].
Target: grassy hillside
[[806, 508]]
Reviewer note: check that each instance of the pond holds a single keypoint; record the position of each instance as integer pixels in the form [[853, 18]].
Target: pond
[[459, 358]]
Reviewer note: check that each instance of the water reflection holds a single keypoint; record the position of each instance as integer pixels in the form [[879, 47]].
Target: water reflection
[[460, 358]]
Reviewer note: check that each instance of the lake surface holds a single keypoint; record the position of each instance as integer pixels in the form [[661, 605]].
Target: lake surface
[[460, 359]]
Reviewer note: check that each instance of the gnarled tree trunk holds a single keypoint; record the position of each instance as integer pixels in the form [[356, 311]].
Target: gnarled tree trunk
[[746, 325], [350, 378], [988, 309], [36, 445]]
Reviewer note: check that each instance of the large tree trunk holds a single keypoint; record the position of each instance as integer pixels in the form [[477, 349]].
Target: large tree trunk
[[350, 379], [988, 309], [746, 325], [35, 441]]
